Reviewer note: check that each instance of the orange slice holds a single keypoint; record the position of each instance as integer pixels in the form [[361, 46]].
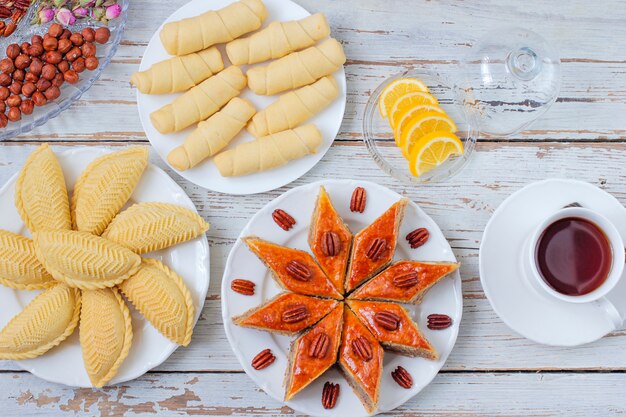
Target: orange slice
[[395, 90], [423, 124], [409, 100], [404, 117], [432, 150]]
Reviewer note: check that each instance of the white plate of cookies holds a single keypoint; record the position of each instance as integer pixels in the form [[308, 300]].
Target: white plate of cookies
[[242, 97]]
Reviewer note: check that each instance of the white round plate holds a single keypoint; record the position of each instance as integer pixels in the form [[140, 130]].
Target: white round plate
[[206, 174], [64, 364], [445, 297], [532, 314]]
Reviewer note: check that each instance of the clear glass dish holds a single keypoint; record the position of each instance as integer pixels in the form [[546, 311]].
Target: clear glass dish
[[380, 143], [69, 92]]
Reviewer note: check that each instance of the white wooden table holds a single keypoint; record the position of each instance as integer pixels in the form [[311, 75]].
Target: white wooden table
[[492, 370]]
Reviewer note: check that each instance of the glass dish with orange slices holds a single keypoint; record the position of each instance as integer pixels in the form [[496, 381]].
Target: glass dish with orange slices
[[416, 129]]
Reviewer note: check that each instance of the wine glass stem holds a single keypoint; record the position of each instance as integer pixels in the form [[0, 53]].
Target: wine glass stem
[[524, 64]]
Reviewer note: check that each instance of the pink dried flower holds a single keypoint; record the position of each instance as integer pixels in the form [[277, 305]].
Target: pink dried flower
[[65, 17], [80, 12], [113, 11], [45, 15]]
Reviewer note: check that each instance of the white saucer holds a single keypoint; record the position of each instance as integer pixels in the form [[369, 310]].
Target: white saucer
[[534, 315]]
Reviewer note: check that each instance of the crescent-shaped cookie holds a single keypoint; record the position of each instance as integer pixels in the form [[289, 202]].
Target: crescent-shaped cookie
[[19, 267], [83, 260], [44, 323], [163, 298], [106, 333], [40, 192], [105, 186], [146, 227]]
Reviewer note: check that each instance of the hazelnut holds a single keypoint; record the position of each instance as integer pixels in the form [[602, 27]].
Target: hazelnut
[[70, 76], [32, 77], [36, 50], [48, 71], [50, 44], [91, 63], [66, 34], [64, 46], [58, 80], [18, 75], [74, 53], [14, 101], [6, 66], [28, 89], [43, 84], [63, 66], [79, 65], [36, 66], [36, 39], [4, 120], [27, 107], [102, 35], [24, 47], [53, 57], [89, 49], [77, 39], [5, 80], [13, 50], [14, 114], [22, 61], [39, 99], [4, 93], [52, 93], [3, 107], [16, 88], [88, 34], [55, 30]]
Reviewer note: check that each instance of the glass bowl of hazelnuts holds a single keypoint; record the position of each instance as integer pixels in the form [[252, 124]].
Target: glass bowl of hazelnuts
[[44, 68]]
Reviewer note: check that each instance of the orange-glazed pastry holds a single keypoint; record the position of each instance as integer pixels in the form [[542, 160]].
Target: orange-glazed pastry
[[404, 281], [391, 325], [294, 270], [361, 360], [374, 246], [330, 239], [286, 313], [313, 353]]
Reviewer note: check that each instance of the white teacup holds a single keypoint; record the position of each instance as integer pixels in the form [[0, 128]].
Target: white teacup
[[615, 273]]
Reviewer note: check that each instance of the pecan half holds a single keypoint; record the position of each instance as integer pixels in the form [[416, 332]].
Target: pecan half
[[295, 313], [263, 359], [377, 249], [242, 286], [282, 219], [387, 320], [319, 346], [406, 279], [402, 377], [417, 237], [331, 244], [298, 270], [362, 348], [439, 321], [358, 200], [330, 393]]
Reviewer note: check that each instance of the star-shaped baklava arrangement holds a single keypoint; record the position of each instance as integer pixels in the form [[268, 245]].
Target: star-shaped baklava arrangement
[[84, 255], [343, 302]]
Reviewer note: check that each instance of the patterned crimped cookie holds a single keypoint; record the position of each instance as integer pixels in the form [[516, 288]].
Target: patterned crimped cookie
[[83, 260], [40, 192], [163, 298], [44, 323], [19, 267], [146, 227], [105, 186], [106, 334]]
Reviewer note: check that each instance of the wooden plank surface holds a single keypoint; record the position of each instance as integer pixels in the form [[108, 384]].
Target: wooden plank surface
[[492, 370]]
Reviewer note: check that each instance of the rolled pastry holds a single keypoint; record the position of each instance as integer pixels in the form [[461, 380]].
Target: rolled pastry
[[269, 152], [179, 73], [200, 102], [215, 26], [294, 107], [278, 39], [297, 69], [212, 135]]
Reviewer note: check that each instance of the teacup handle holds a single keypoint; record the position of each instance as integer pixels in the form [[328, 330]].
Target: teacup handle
[[611, 312]]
